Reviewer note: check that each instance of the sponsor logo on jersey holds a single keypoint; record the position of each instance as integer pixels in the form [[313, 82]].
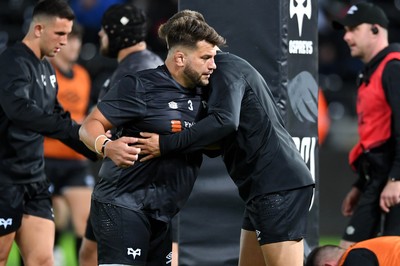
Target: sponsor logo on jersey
[[176, 126], [258, 235], [189, 124], [169, 258], [173, 105], [5, 222], [134, 252], [53, 80], [44, 80]]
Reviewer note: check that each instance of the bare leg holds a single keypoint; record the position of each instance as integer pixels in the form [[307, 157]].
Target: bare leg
[[6, 242], [250, 250], [175, 254], [276, 254], [35, 239], [61, 213], [88, 253], [284, 253], [79, 203]]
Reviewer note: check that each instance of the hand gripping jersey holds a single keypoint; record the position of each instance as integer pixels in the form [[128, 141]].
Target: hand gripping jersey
[[150, 101]]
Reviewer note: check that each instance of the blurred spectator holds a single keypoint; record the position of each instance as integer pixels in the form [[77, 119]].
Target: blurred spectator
[[67, 170], [122, 36], [323, 117]]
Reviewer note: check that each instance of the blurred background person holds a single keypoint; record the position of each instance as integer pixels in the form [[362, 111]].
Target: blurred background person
[[122, 36], [68, 171], [373, 201], [383, 251]]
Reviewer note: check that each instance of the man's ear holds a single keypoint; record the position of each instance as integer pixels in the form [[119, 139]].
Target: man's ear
[[179, 58], [38, 29]]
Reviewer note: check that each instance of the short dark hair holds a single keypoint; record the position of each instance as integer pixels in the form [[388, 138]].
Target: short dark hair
[[318, 254], [55, 8], [188, 13], [187, 31]]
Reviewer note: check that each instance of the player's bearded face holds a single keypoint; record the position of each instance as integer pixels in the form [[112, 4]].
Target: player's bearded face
[[195, 77]]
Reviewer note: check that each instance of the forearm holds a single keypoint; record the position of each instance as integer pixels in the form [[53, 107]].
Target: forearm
[[206, 132], [92, 134], [93, 131]]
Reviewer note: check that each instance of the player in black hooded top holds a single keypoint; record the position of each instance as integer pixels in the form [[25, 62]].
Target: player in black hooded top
[[29, 111], [125, 42], [133, 202], [259, 155]]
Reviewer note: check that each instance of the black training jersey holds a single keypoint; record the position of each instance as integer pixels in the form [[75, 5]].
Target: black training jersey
[[258, 152], [28, 110], [150, 101], [132, 63]]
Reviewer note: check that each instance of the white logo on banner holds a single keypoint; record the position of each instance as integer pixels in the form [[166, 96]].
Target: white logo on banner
[[306, 147], [300, 11]]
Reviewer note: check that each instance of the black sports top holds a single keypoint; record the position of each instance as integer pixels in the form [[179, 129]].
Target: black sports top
[[150, 101]]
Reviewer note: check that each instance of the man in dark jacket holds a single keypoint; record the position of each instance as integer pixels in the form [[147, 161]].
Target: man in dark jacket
[[29, 111]]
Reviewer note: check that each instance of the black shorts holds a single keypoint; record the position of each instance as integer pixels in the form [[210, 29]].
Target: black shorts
[[19, 199], [368, 220], [74, 173], [280, 216], [89, 231], [128, 237]]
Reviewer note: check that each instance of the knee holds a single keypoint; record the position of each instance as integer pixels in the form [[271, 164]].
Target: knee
[[40, 260]]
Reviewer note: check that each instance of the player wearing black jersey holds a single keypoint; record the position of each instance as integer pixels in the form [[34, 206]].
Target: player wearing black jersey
[[133, 203], [125, 42], [29, 111], [132, 55], [260, 156]]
